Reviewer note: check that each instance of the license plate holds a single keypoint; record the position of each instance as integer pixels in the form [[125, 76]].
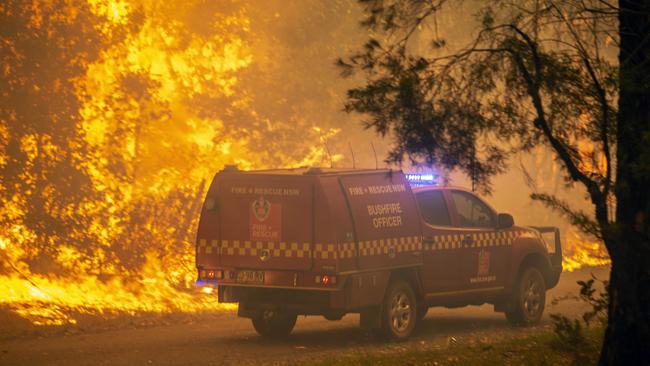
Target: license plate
[[256, 277]]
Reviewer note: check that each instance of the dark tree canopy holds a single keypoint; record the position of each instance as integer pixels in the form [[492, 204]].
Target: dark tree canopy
[[530, 76]]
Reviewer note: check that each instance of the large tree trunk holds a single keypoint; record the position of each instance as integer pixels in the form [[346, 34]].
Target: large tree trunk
[[627, 338]]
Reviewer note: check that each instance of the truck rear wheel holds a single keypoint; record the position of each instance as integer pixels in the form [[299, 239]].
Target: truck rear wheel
[[274, 324], [399, 313], [528, 298]]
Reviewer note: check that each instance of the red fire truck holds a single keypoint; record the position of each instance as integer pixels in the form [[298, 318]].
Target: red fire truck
[[315, 241]]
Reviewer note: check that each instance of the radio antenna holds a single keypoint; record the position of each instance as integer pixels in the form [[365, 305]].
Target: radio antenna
[[375, 153], [354, 163]]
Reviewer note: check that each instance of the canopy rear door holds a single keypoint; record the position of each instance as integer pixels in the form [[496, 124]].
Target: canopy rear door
[[266, 221]]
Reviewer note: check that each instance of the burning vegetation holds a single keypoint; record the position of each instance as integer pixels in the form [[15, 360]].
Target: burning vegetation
[[580, 253], [114, 116]]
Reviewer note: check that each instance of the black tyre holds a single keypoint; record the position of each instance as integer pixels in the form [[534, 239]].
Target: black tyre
[[528, 298], [274, 324], [399, 311]]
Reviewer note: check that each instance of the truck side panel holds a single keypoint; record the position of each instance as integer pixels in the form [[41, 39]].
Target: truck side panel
[[207, 243], [386, 220], [523, 247], [340, 230]]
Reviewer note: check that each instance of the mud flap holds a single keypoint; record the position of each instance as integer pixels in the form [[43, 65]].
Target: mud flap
[[370, 318], [503, 304], [226, 294]]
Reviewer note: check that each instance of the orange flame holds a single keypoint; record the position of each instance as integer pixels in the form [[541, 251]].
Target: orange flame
[[151, 152], [579, 252]]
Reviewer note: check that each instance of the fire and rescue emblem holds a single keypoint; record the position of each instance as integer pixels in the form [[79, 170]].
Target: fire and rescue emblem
[[483, 263], [265, 220], [483, 271], [261, 209]]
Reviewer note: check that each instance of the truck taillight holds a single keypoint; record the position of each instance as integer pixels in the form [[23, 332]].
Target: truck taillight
[[325, 280], [211, 274]]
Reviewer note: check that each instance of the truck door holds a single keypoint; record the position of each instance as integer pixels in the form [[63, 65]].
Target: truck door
[[484, 254], [441, 256]]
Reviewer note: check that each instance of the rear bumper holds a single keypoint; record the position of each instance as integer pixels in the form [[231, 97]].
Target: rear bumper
[[273, 279], [253, 299], [293, 291], [352, 293]]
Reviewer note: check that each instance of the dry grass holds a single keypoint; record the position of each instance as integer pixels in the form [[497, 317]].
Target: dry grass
[[539, 349]]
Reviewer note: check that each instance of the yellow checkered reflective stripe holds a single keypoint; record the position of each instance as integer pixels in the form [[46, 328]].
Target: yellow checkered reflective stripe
[[334, 251], [382, 246], [255, 248], [479, 240], [366, 248], [278, 249], [447, 241], [208, 248], [347, 250], [302, 250], [325, 251]]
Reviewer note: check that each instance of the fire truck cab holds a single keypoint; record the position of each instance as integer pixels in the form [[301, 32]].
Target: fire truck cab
[[313, 241]]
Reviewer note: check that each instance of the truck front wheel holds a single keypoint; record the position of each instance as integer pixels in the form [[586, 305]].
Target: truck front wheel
[[528, 298], [399, 313], [274, 324]]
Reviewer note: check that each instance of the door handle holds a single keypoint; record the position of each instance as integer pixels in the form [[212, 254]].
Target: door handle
[[468, 240]]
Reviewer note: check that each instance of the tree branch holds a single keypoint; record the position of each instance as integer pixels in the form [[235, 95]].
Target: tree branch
[[602, 98], [578, 218], [541, 122]]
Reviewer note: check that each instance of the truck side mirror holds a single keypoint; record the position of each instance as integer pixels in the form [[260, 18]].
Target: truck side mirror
[[505, 221]]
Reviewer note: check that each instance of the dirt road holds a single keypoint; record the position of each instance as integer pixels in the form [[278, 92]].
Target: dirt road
[[225, 339]]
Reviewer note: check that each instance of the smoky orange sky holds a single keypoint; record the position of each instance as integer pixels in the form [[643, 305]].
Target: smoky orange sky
[[301, 43], [279, 97]]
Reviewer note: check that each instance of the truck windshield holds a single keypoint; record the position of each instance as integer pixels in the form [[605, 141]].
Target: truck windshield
[[433, 208]]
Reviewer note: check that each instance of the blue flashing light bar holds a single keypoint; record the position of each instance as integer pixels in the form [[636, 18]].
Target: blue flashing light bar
[[421, 180]]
